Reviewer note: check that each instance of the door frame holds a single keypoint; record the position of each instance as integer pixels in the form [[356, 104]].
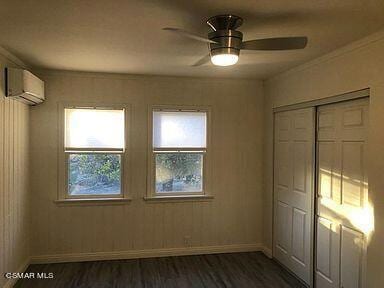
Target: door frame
[[354, 95]]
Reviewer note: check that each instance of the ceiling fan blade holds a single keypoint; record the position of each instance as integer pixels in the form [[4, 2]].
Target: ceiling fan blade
[[203, 60], [190, 35], [282, 43]]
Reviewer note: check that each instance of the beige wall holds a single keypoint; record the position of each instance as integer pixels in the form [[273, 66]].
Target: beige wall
[[357, 66], [14, 188], [233, 217]]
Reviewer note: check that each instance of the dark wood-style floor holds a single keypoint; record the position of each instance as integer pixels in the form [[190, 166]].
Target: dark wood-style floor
[[235, 270]]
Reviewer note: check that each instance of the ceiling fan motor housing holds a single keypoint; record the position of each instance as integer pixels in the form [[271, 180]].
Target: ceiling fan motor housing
[[227, 39], [227, 42]]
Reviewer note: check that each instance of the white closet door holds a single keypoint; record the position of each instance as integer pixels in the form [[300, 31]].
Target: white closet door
[[344, 217], [293, 190]]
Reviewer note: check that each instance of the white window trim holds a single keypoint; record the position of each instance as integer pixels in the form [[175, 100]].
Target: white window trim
[[63, 196], [206, 194]]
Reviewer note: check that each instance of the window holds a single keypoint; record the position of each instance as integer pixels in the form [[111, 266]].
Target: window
[[179, 152], [94, 152]]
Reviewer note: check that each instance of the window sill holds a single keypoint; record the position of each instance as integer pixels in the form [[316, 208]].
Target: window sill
[[181, 198], [92, 201]]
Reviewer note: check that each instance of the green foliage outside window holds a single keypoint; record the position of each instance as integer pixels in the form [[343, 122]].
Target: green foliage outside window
[[178, 172], [94, 173]]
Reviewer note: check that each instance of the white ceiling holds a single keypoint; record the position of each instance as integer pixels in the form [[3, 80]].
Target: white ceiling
[[126, 37]]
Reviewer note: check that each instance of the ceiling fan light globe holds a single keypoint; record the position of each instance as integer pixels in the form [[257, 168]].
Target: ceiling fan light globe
[[224, 59]]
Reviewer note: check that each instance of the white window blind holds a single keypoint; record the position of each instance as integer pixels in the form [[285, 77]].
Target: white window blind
[[91, 128], [179, 129]]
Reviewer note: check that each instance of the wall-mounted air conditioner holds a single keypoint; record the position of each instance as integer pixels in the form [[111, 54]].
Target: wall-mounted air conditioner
[[24, 86]]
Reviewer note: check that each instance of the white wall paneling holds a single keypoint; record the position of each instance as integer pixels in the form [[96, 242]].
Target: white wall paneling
[[14, 187], [232, 217]]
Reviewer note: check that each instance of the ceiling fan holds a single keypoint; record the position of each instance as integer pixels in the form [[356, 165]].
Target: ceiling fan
[[225, 42]]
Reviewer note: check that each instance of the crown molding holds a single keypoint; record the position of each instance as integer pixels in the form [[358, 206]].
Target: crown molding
[[11, 57], [347, 49]]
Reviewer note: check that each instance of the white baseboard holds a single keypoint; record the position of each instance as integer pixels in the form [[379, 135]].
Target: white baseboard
[[267, 252], [149, 253], [21, 269]]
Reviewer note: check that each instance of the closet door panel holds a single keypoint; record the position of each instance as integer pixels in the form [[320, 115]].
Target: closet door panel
[[343, 218], [293, 190]]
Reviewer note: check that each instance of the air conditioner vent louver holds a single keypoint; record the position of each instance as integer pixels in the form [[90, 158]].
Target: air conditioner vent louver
[[22, 85]]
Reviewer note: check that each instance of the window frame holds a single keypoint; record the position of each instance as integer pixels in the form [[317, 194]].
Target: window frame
[[152, 152], [63, 157]]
